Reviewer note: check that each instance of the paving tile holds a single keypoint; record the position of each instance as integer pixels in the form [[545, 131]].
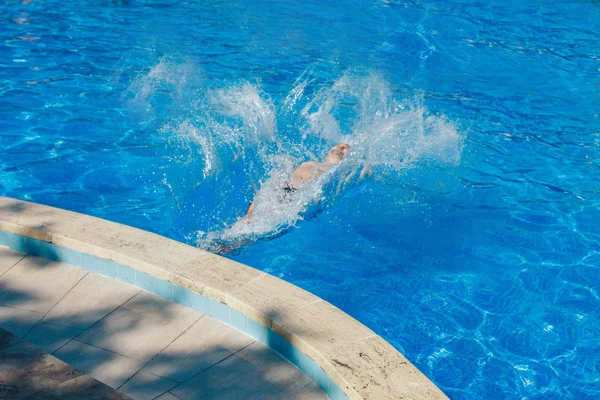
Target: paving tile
[[168, 396], [93, 298], [27, 370], [311, 392], [8, 258], [50, 337], [37, 284], [142, 327], [108, 367], [145, 386], [255, 372], [206, 343], [82, 387], [18, 321]]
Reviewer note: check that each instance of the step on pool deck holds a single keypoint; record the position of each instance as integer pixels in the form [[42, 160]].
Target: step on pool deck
[[141, 344]]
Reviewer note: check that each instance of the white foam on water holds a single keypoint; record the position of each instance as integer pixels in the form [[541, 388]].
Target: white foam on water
[[234, 129]]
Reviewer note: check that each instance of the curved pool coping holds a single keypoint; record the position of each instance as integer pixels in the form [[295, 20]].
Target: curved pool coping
[[344, 357]]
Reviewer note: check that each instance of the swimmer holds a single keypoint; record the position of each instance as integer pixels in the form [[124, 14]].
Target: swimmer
[[309, 171]]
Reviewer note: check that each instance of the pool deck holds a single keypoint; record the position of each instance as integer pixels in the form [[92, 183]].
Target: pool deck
[[183, 292], [28, 372], [137, 342]]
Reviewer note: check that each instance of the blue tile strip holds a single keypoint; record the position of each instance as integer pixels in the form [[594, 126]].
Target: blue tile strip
[[335, 393], [15, 242], [237, 320], [322, 379], [306, 365], [256, 330], [126, 274], [200, 303], [33, 246], [107, 268], [180, 295], [51, 251], [70, 256], [89, 262], [219, 311], [163, 288]]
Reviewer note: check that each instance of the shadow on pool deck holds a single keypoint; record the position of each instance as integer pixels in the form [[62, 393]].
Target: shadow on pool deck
[[129, 343]]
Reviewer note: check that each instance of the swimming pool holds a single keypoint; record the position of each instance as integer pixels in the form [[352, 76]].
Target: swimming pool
[[473, 247]]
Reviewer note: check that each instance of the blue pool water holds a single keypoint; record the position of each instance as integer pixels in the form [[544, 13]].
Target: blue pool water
[[473, 246]]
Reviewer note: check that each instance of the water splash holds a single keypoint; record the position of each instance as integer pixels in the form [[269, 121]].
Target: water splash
[[247, 145]]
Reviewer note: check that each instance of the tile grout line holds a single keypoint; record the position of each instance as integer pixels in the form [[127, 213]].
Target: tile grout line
[[168, 391], [207, 368], [95, 323], [101, 348], [310, 304], [172, 290], [255, 278], [163, 349], [308, 384], [14, 265], [52, 308]]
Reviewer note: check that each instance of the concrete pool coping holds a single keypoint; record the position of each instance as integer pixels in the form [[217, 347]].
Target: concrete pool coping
[[351, 360]]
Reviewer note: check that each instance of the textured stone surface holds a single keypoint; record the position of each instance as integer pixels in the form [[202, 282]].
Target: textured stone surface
[[213, 276], [33, 220], [362, 364], [26, 371], [319, 326]]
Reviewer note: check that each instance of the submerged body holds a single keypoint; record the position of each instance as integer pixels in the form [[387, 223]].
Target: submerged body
[[308, 172]]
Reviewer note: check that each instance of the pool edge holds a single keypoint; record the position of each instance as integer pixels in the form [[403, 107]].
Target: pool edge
[[344, 357]]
